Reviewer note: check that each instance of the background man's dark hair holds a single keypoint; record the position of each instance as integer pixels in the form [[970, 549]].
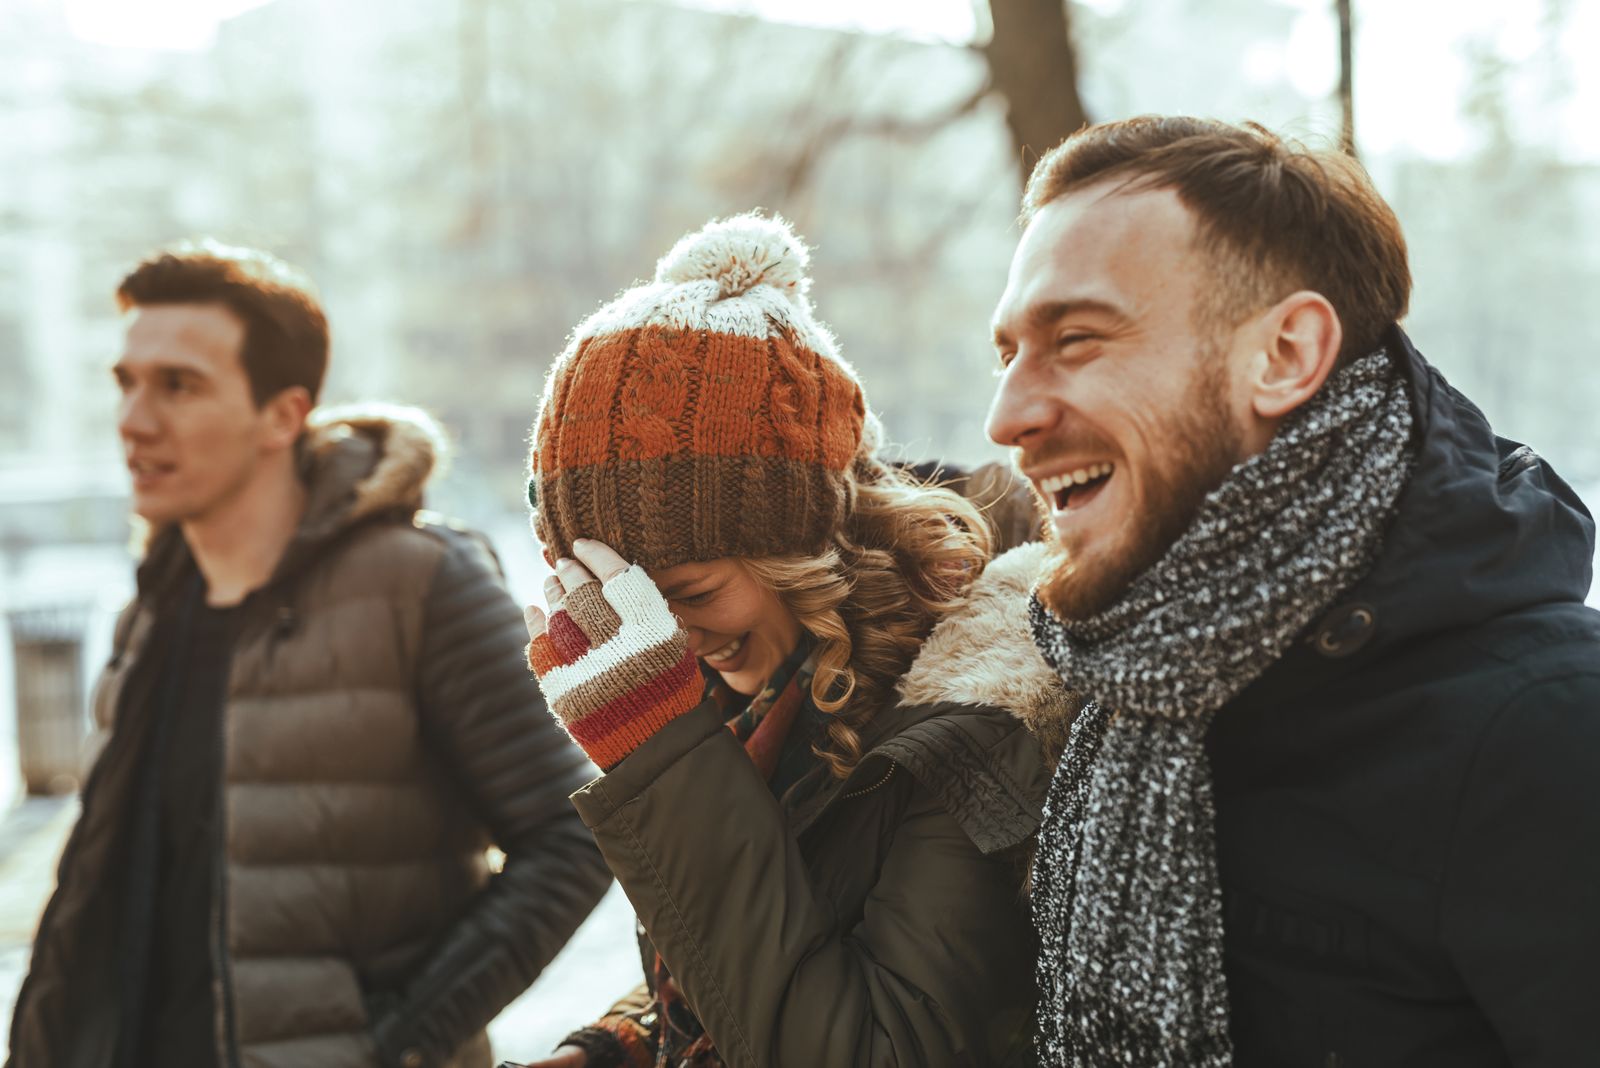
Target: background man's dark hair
[[286, 333], [1272, 216]]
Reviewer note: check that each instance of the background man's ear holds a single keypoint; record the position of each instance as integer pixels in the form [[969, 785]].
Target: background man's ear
[[1303, 342], [286, 415]]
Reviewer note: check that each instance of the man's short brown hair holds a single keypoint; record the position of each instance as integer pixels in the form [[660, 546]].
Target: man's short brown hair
[[286, 332], [1272, 216]]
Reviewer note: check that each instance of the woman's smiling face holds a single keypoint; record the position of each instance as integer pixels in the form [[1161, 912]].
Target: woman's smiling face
[[737, 626]]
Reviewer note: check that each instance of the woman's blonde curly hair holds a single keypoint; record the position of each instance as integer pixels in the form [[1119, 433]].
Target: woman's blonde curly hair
[[905, 555]]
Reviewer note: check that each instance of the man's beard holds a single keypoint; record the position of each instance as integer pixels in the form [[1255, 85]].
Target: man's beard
[[1201, 449]]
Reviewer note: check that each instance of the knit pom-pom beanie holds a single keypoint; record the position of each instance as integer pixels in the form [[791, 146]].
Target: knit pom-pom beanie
[[702, 415]]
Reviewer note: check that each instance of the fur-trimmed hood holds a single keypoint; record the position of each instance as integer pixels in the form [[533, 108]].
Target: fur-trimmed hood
[[983, 653], [362, 459]]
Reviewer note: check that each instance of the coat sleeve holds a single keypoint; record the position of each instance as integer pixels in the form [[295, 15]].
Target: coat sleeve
[[1006, 499], [484, 717], [1521, 906], [705, 855]]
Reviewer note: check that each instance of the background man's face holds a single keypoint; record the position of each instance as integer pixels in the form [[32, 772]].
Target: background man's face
[[1116, 402], [190, 429]]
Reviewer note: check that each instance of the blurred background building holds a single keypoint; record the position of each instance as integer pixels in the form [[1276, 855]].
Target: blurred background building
[[466, 179]]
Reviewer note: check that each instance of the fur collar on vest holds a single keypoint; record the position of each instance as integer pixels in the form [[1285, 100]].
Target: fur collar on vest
[[404, 446], [983, 654]]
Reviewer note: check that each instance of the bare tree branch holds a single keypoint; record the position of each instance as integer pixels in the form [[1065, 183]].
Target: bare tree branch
[[813, 148], [1347, 108]]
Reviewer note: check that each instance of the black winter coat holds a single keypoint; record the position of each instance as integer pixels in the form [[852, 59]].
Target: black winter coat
[[1408, 803]]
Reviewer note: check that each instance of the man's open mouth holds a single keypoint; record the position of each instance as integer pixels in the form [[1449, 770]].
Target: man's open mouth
[[147, 472], [1074, 489]]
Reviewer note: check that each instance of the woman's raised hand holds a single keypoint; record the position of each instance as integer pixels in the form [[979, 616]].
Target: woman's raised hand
[[612, 661]]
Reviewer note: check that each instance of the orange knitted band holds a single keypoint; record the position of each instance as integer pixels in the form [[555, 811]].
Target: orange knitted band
[[650, 392]]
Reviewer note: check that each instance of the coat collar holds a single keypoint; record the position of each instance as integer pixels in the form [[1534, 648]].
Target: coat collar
[[983, 653], [1484, 528], [978, 665]]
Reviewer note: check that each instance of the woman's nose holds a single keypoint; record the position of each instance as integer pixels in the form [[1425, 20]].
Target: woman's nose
[[696, 639]]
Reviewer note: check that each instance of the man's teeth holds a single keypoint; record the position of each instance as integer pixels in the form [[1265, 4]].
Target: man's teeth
[[1060, 482], [727, 651]]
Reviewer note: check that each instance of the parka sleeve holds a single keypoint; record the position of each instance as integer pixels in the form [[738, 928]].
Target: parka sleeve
[[1520, 911], [484, 716], [934, 973]]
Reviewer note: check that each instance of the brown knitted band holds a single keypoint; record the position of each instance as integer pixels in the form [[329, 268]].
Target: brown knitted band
[[587, 606], [659, 513], [589, 697]]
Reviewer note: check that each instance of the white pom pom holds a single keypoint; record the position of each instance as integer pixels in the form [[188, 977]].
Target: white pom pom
[[740, 253]]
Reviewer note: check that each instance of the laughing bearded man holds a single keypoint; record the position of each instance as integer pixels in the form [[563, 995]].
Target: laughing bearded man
[[1333, 796]]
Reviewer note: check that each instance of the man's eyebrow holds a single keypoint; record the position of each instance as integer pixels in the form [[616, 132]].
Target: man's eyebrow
[[182, 367], [1046, 314]]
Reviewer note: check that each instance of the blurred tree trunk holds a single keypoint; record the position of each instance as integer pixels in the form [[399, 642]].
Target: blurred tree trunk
[[1030, 63], [1347, 106], [1033, 65]]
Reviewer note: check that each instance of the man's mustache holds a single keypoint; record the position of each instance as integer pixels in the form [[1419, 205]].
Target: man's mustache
[[1061, 447]]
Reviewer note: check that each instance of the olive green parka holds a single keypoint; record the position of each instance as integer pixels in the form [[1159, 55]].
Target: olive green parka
[[876, 921]]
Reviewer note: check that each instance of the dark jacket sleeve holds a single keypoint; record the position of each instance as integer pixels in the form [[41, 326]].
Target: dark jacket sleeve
[[1005, 498], [706, 856], [1007, 501], [486, 720], [1521, 906]]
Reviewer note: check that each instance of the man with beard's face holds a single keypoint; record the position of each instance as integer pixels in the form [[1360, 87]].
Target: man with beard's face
[[1125, 404]]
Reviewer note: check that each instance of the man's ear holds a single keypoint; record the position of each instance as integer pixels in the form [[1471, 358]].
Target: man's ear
[[286, 416], [1303, 337]]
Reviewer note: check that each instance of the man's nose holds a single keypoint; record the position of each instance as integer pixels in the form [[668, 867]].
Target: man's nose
[[135, 419], [1024, 406]]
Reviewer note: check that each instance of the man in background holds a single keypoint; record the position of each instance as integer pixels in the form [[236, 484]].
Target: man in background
[[316, 720], [1334, 797]]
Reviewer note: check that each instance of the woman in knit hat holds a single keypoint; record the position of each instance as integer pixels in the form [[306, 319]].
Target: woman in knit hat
[[824, 841]]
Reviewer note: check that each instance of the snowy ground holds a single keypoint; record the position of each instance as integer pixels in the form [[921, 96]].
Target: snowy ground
[[599, 965]]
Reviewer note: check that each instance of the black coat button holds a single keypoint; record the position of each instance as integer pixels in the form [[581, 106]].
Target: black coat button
[[1344, 630]]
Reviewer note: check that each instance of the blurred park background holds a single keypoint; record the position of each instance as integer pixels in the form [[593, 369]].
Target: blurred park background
[[466, 179]]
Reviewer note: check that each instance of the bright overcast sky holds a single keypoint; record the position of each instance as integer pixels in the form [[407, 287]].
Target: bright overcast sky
[[1410, 76]]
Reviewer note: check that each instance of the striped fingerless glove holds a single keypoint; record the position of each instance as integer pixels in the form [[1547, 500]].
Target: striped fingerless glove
[[614, 665]]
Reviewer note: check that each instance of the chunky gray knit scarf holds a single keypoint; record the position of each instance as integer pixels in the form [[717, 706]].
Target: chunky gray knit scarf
[[1126, 898]]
